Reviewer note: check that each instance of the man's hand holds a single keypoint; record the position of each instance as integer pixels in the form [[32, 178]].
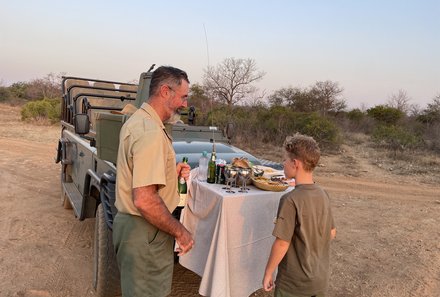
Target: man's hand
[[268, 283], [185, 242], [153, 209], [183, 170]]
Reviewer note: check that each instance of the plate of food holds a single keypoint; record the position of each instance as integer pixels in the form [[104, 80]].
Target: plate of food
[[268, 172], [267, 184]]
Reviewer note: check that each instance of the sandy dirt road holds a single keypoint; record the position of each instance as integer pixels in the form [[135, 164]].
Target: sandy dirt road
[[388, 241]]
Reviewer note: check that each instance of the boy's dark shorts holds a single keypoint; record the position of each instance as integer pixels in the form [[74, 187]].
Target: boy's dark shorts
[[145, 257]]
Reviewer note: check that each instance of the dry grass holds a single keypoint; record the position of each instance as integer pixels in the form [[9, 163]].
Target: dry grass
[[11, 126]]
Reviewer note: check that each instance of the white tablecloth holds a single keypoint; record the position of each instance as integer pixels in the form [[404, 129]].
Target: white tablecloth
[[233, 237]]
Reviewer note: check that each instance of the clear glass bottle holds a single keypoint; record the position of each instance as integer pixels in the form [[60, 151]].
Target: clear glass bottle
[[203, 167]]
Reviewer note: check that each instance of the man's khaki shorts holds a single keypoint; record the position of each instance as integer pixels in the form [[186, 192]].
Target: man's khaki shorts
[[145, 257]]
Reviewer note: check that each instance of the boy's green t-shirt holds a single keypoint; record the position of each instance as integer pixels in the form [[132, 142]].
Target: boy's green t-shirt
[[305, 219]]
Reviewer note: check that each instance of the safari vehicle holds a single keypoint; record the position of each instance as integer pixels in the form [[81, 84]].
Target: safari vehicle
[[87, 150]]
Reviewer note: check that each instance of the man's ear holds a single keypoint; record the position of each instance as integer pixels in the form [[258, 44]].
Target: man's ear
[[164, 90]]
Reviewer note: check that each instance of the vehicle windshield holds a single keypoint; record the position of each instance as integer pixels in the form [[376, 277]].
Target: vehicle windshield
[[199, 146]]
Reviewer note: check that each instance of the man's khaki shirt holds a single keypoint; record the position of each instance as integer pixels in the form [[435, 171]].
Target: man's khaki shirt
[[145, 157]]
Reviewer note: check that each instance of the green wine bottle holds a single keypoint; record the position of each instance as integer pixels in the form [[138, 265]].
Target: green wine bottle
[[182, 187], [211, 166]]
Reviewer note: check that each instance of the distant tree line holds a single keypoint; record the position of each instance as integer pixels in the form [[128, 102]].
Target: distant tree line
[[48, 87], [318, 110], [40, 98], [227, 95]]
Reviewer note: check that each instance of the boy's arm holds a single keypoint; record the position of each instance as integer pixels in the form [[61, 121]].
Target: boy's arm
[[333, 234], [279, 249]]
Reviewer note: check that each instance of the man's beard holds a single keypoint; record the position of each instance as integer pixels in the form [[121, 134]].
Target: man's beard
[[174, 118]]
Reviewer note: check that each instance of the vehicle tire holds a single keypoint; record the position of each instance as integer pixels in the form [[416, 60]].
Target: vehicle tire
[[106, 279]]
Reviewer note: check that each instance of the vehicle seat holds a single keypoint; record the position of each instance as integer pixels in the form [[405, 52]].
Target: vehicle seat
[[108, 126]]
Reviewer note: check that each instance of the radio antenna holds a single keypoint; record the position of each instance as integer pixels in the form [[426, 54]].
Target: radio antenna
[[207, 55], [206, 41]]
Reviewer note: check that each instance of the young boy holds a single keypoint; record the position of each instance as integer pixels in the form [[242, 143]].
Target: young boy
[[303, 228]]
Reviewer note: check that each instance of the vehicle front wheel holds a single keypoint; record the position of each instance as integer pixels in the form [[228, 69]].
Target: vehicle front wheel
[[106, 279]]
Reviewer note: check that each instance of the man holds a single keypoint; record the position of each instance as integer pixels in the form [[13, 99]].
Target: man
[[146, 190]]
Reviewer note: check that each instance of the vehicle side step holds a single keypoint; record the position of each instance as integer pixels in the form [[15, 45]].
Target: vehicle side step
[[74, 197]]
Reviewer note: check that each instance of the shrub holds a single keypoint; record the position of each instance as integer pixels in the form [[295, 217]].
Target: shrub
[[355, 121], [18, 89], [385, 114], [320, 128], [48, 109], [5, 94], [355, 115], [432, 137], [395, 138], [255, 124]]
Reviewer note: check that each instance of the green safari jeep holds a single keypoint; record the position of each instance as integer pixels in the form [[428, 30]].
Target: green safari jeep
[[87, 149]]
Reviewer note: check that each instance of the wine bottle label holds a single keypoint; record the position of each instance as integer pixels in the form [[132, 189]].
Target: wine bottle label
[[182, 200]]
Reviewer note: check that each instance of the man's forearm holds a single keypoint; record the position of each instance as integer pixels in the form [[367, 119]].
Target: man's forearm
[[154, 210]]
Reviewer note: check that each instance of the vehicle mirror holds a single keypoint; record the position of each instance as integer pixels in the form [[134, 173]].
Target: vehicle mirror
[[82, 123], [192, 115], [230, 130]]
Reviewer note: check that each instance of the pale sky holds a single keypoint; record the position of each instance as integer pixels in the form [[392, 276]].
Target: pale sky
[[371, 48]]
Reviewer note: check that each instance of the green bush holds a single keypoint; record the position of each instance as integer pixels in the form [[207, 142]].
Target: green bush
[[385, 114], [355, 121], [5, 94], [355, 115], [320, 128], [48, 109], [395, 138], [254, 124], [19, 89]]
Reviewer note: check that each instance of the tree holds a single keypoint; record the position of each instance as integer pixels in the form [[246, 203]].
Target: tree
[[414, 110], [295, 98], [231, 80], [279, 97], [400, 101], [434, 106], [198, 98], [322, 97], [47, 87], [431, 114], [327, 94]]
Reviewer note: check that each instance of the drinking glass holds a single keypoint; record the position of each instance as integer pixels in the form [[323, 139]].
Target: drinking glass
[[230, 176], [244, 174]]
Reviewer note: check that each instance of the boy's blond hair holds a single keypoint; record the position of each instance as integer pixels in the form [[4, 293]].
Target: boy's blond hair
[[303, 148]]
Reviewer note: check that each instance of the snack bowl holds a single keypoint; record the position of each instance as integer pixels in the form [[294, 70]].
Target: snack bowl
[[265, 184]]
